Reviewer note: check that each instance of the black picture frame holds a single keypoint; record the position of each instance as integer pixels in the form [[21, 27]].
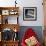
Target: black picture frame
[[29, 13]]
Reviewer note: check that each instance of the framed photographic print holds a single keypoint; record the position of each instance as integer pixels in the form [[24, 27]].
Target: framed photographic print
[[13, 12], [5, 12], [30, 13]]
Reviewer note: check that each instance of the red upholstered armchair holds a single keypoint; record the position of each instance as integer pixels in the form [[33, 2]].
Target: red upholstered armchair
[[30, 38]]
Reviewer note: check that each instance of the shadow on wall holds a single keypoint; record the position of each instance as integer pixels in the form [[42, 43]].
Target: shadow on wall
[[37, 29]]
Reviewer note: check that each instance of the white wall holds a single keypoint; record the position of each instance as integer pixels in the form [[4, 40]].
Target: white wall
[[26, 3]]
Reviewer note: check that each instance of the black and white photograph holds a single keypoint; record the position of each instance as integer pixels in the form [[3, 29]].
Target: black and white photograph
[[29, 13]]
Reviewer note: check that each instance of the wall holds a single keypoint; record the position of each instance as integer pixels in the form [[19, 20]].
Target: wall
[[37, 29], [33, 3], [26, 3]]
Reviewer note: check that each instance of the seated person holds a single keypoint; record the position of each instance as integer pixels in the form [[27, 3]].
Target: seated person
[[30, 38]]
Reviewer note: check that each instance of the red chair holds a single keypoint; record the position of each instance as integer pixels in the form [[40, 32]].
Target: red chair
[[29, 33]]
